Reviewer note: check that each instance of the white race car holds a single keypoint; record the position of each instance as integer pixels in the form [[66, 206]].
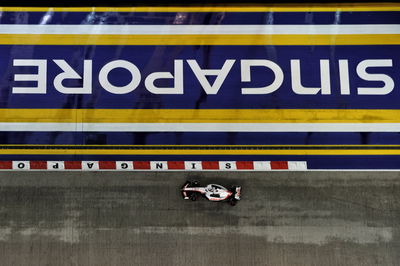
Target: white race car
[[213, 192]]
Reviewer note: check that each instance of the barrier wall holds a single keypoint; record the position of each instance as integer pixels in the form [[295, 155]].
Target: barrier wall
[[311, 83]]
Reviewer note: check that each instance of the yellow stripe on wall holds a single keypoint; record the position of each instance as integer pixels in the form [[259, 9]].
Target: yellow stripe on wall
[[200, 115], [198, 152], [224, 8], [211, 39]]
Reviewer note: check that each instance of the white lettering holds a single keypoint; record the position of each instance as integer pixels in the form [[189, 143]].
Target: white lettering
[[40, 77], [344, 77], [105, 83], [178, 80], [272, 81], [296, 79], [246, 76], [70, 73], [362, 73], [202, 73]]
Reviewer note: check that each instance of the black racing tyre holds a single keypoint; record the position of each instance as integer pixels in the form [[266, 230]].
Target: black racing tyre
[[232, 202], [193, 197]]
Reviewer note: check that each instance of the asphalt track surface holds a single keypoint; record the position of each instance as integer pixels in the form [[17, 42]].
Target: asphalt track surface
[[139, 218]]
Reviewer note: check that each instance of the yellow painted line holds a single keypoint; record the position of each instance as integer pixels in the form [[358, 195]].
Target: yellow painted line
[[196, 152], [223, 8], [211, 39], [199, 146], [200, 115]]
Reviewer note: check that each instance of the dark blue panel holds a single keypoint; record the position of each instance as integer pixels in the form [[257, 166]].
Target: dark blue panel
[[201, 138], [200, 18]]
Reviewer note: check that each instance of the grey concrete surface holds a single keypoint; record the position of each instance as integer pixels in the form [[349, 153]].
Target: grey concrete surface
[[133, 218]]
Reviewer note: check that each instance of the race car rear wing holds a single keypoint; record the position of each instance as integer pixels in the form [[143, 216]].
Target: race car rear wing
[[237, 192]]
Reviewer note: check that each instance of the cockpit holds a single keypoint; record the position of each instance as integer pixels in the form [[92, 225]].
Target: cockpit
[[214, 188]]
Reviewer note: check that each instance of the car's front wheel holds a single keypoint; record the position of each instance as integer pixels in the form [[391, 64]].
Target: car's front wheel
[[193, 197]]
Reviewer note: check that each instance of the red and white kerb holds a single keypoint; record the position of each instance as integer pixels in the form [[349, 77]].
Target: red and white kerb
[[154, 165]]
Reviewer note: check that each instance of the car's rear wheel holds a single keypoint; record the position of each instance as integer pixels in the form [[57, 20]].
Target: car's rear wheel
[[232, 202]]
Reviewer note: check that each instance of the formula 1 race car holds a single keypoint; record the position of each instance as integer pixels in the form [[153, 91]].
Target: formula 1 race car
[[213, 192]]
